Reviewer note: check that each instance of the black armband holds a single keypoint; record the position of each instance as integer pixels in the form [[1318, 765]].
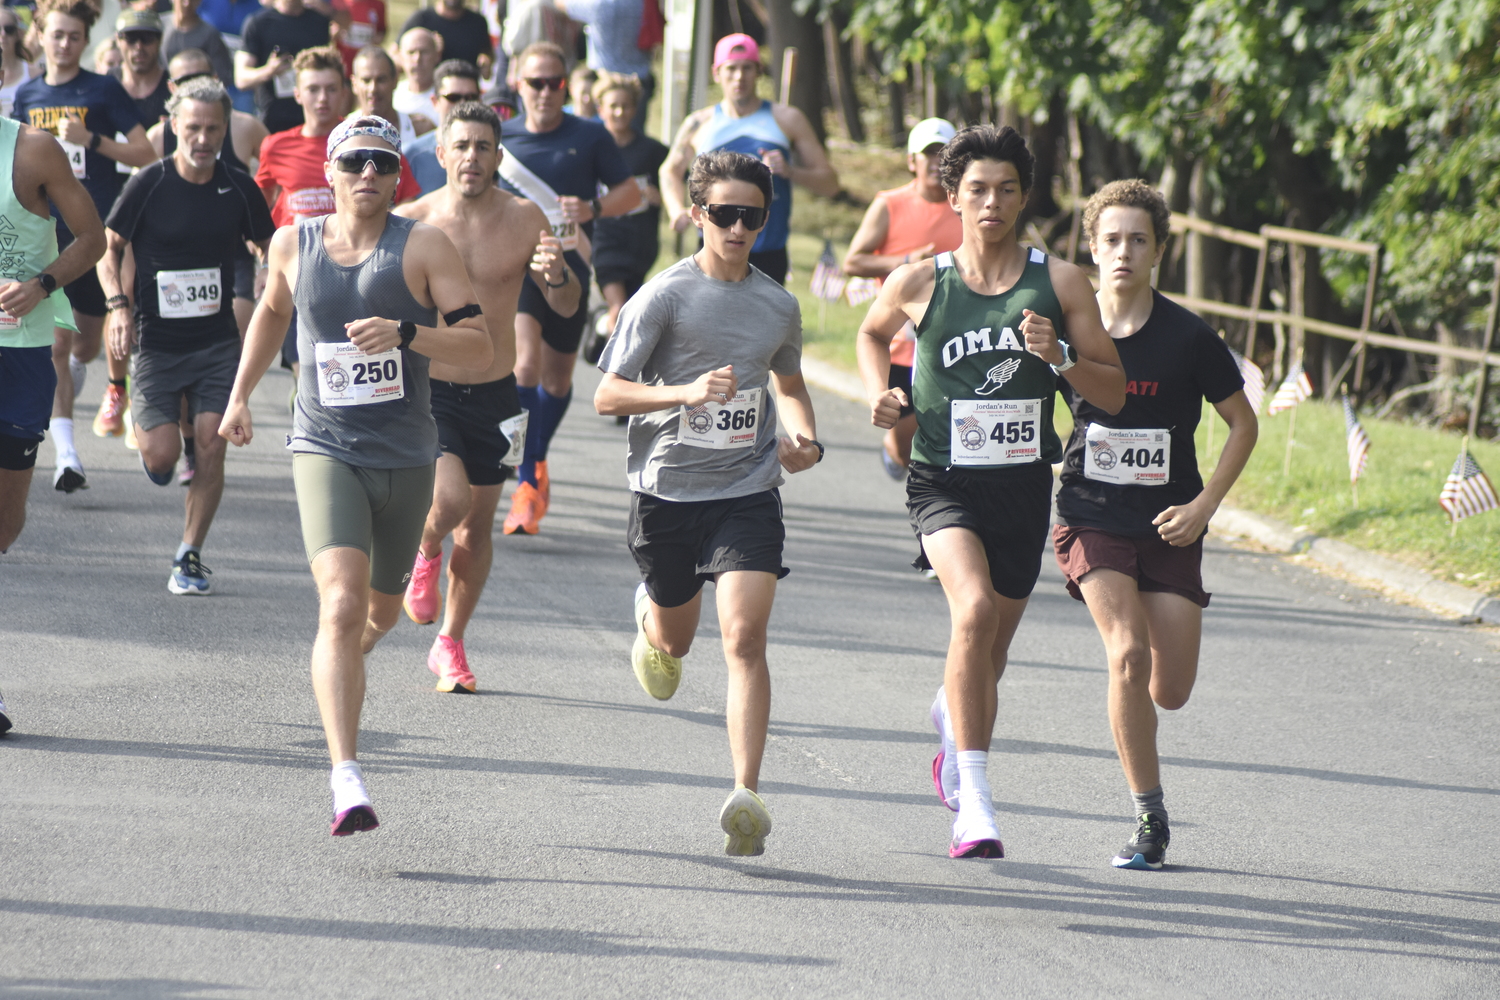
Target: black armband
[[463, 313]]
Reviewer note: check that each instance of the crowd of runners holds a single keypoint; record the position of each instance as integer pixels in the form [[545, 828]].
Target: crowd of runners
[[422, 262]]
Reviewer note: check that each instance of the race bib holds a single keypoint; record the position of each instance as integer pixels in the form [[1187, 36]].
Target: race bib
[[122, 168], [514, 430], [187, 294], [285, 83], [1134, 457], [995, 432], [348, 376], [75, 157], [361, 35], [565, 231], [7, 321], [722, 425]]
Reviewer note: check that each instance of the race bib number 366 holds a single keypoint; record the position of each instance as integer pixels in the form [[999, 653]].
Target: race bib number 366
[[1129, 457], [722, 425], [995, 432], [348, 376]]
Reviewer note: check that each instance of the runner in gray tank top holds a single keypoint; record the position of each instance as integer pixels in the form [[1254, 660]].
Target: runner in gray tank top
[[368, 288], [990, 319]]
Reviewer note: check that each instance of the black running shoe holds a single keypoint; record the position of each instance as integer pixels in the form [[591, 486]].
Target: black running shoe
[[4, 719], [1147, 850]]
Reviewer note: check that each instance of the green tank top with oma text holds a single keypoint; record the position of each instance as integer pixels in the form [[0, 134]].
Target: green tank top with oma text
[[982, 400], [28, 243]]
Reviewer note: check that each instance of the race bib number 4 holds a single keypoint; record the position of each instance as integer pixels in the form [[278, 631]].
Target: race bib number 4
[[348, 376], [1134, 457], [75, 158], [187, 294], [722, 425], [995, 432]]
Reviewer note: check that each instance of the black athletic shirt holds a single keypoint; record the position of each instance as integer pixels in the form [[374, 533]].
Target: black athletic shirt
[[173, 224], [268, 30], [630, 242], [1172, 363], [466, 38], [153, 107]]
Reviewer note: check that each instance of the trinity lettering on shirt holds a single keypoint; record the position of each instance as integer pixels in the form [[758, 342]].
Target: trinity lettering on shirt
[[974, 341], [47, 118]]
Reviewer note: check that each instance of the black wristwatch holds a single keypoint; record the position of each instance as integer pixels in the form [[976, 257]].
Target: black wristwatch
[[47, 281], [408, 331], [821, 450], [596, 208], [94, 142]]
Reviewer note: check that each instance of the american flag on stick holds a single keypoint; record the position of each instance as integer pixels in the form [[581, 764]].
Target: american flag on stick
[[1468, 490], [1292, 391], [1255, 380], [861, 290], [827, 280], [1357, 440]]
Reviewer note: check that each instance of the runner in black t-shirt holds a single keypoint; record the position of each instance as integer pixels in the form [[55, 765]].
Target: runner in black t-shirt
[[186, 218], [465, 33], [141, 73], [1132, 507], [85, 111], [272, 40]]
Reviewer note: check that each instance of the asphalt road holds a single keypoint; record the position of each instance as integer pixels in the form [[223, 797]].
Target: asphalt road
[[164, 806]]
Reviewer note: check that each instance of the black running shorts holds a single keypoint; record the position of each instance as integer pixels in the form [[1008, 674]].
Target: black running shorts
[[561, 333], [680, 546], [468, 421], [1008, 508]]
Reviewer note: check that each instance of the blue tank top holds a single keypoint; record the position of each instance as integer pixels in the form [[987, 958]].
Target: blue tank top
[[753, 135], [392, 433]]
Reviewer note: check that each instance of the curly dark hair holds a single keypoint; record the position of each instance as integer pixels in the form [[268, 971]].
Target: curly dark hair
[[1131, 193], [722, 165], [985, 142]]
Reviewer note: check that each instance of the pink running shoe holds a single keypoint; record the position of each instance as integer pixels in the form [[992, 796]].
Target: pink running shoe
[[422, 597], [448, 661], [354, 820]]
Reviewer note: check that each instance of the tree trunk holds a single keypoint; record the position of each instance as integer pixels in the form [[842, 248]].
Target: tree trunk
[[788, 28], [1044, 139], [841, 80]]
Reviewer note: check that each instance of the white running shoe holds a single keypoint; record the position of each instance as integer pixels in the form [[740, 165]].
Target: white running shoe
[[352, 810], [975, 835], [945, 764]]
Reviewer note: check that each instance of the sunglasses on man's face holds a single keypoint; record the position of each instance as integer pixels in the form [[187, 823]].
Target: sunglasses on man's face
[[725, 216], [353, 161], [546, 82], [140, 37], [459, 98]]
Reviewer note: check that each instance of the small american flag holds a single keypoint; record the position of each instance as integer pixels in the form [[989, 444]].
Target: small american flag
[[1357, 440], [827, 280], [967, 423], [1292, 391], [861, 290], [1255, 380], [1468, 490]]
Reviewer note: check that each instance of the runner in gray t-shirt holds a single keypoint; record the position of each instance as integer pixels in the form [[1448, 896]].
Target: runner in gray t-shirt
[[694, 361]]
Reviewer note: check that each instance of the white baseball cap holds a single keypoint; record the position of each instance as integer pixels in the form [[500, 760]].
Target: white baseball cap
[[929, 131]]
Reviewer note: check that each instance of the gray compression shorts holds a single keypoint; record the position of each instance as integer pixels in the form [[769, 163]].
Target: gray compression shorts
[[378, 511]]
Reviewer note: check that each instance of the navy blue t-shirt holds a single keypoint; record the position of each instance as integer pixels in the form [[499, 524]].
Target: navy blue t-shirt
[[106, 109]]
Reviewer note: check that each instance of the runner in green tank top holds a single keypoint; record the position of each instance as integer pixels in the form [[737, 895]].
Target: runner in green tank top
[[990, 319]]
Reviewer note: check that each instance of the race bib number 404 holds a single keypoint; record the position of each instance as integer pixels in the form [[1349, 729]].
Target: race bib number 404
[[348, 376], [722, 425], [995, 432], [1128, 457]]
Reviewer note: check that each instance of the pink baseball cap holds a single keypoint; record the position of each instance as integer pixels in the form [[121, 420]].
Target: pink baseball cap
[[736, 48]]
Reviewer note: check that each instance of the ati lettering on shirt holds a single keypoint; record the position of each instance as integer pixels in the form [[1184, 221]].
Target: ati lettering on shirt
[[975, 341], [47, 118], [1141, 388]]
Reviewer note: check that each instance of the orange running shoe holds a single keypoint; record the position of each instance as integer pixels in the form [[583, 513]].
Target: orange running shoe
[[544, 487], [526, 508], [110, 420], [448, 661], [422, 597]]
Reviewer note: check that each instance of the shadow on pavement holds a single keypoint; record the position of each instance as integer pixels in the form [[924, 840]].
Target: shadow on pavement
[[116, 989]]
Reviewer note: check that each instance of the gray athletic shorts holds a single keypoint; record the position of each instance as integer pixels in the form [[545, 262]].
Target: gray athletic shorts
[[378, 511], [159, 381]]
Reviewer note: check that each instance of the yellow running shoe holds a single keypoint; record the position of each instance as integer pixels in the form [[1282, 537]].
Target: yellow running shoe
[[658, 673], [131, 441], [109, 421], [746, 821]]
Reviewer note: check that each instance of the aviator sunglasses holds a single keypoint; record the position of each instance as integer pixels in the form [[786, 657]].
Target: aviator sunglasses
[[546, 82], [353, 161], [724, 216]]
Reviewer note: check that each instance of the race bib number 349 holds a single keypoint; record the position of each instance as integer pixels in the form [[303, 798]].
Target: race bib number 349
[[184, 294], [348, 376], [1129, 457], [995, 432], [722, 425]]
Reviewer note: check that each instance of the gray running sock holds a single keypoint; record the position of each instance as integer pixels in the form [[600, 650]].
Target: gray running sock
[[184, 548], [1150, 802]]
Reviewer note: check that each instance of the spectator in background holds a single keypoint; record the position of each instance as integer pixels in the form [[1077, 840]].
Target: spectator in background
[[418, 54], [188, 30], [530, 21], [581, 85], [357, 23], [138, 34], [465, 33], [229, 16], [625, 247], [107, 57], [455, 82], [273, 39], [613, 28], [17, 63]]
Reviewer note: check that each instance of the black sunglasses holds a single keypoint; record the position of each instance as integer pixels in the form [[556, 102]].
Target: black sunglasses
[[139, 37], [725, 216], [546, 82], [353, 161], [178, 81], [8, 29], [458, 98]]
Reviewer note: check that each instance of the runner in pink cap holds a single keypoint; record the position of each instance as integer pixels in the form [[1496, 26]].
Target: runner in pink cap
[[736, 48]]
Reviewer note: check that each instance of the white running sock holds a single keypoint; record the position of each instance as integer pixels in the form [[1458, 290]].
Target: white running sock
[[976, 813], [61, 429], [348, 784]]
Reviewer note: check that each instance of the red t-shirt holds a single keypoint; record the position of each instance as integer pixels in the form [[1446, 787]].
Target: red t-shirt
[[294, 162], [915, 222], [366, 27]]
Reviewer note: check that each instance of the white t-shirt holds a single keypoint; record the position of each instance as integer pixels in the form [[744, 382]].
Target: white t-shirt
[[409, 103]]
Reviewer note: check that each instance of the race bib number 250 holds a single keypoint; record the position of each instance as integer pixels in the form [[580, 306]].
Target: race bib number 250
[[348, 376]]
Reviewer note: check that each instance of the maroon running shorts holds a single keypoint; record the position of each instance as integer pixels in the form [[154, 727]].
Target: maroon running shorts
[[1148, 560]]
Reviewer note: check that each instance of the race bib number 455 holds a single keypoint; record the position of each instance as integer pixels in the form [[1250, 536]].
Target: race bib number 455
[[1129, 457], [348, 376], [995, 432], [722, 425]]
